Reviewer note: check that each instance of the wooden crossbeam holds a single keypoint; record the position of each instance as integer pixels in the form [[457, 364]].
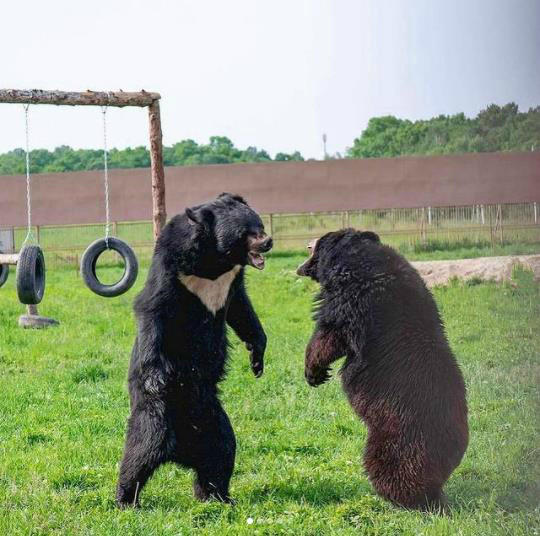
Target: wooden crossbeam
[[72, 98]]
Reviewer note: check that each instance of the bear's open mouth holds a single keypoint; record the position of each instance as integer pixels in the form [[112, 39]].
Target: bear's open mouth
[[256, 260]]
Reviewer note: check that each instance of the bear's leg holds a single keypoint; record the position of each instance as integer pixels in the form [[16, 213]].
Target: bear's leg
[[148, 444], [215, 449], [401, 472]]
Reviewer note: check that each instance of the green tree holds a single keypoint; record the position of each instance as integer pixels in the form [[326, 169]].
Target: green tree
[[497, 128]]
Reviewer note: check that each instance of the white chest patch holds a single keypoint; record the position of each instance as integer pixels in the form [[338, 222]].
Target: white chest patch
[[212, 292]]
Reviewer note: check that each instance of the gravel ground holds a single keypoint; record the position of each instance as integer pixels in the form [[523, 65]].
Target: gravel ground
[[485, 268]]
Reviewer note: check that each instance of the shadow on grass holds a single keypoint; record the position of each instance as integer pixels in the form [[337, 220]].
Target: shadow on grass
[[519, 491], [521, 497], [316, 493]]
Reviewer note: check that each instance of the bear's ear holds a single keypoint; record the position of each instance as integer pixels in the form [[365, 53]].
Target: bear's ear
[[236, 197], [201, 216], [369, 235]]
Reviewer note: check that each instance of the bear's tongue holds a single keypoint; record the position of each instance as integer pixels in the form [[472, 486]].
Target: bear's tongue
[[256, 260]]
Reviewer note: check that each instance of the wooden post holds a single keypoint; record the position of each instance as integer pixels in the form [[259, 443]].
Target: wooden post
[[9, 258], [159, 211]]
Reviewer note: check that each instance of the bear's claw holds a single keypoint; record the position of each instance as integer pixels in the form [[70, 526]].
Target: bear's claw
[[317, 377]]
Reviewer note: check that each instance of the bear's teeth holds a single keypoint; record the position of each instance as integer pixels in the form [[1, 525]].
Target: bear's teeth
[[256, 260]]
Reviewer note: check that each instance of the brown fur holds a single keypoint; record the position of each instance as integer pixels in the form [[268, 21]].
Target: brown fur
[[399, 375]]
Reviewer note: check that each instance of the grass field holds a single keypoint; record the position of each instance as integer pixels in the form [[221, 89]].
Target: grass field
[[63, 409]]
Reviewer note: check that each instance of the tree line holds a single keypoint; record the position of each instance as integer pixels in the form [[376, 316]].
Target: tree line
[[497, 128], [219, 150]]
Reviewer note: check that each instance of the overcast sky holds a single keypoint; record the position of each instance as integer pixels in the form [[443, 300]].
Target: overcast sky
[[275, 73]]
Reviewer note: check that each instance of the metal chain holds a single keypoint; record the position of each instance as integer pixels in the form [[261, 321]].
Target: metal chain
[[29, 232], [106, 176]]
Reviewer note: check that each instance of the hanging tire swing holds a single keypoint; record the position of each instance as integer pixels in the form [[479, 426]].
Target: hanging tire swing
[[95, 249], [30, 275], [88, 267], [4, 272], [30, 262]]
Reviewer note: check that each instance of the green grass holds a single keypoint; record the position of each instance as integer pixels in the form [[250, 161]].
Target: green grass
[[64, 404], [465, 249]]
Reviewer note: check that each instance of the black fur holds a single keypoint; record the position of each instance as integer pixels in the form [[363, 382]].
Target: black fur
[[180, 351], [399, 374]]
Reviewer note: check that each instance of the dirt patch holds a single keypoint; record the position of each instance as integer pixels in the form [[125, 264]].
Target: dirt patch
[[485, 268]]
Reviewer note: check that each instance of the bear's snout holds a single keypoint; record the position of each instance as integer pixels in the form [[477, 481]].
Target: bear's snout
[[301, 270], [266, 245], [261, 243]]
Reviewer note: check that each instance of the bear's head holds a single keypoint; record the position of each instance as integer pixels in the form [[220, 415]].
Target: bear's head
[[339, 253], [229, 233]]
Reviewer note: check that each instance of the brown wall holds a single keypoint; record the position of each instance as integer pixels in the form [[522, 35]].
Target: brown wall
[[281, 187]]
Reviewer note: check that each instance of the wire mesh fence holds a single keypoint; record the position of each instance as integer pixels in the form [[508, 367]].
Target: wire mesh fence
[[474, 224]]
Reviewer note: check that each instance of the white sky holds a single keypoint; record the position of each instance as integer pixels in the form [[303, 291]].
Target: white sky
[[272, 73]]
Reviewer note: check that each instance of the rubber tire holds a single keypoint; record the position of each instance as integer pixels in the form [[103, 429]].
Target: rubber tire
[[30, 275], [4, 272], [88, 267]]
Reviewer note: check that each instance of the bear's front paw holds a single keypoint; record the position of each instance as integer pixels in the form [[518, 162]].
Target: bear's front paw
[[316, 377], [256, 358], [126, 499]]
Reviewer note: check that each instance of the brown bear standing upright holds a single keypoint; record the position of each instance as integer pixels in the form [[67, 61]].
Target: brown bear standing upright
[[399, 374]]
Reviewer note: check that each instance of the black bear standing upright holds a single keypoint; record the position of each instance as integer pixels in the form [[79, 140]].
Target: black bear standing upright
[[399, 374], [195, 286]]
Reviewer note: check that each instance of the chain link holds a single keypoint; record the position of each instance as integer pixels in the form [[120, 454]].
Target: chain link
[[29, 231], [106, 176]]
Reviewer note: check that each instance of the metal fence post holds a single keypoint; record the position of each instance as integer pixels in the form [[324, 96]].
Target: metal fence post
[[500, 214], [271, 225], [492, 240], [423, 232]]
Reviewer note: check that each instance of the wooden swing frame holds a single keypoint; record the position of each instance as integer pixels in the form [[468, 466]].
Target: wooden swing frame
[[118, 99]]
